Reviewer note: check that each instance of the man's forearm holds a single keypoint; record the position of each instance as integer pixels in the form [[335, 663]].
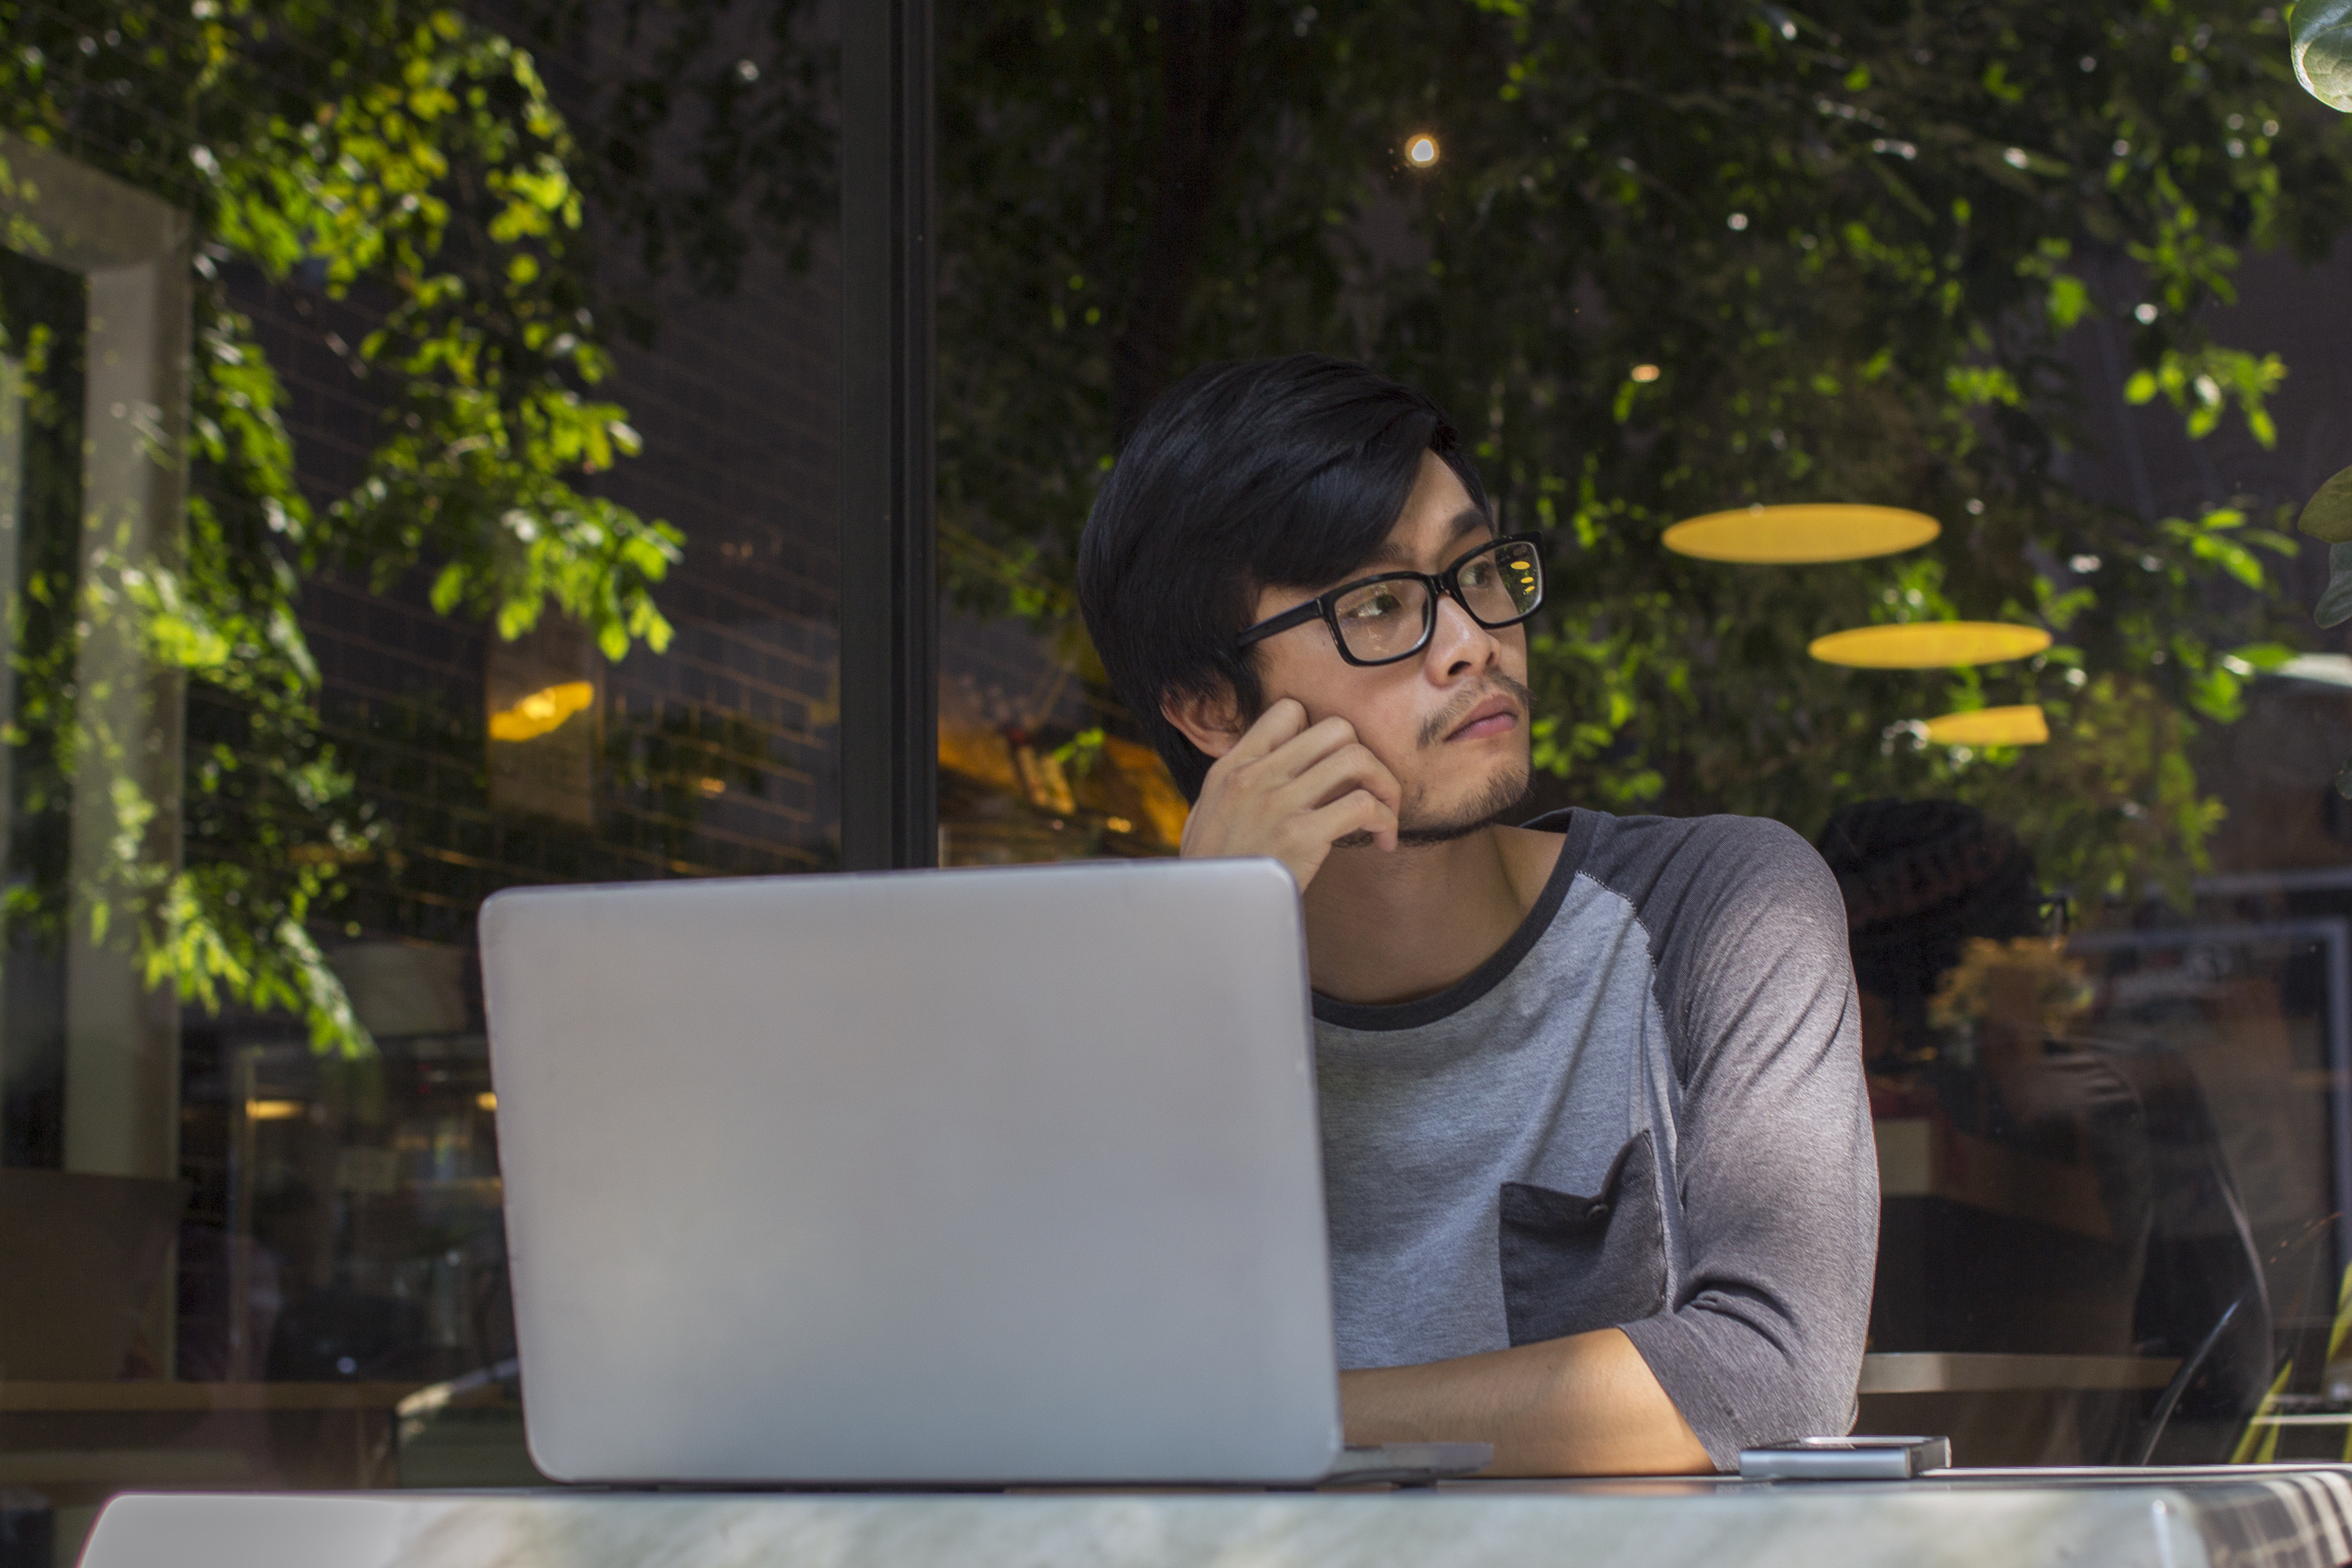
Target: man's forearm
[[1586, 1404]]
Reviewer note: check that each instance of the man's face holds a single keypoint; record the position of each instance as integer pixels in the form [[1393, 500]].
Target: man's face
[[1451, 721]]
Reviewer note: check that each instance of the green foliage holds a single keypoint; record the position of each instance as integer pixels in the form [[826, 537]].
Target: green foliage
[[2323, 50], [1082, 753], [1850, 238], [709, 126], [2328, 513], [406, 157]]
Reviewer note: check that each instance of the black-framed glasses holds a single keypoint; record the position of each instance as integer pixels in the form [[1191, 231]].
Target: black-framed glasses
[[1384, 618]]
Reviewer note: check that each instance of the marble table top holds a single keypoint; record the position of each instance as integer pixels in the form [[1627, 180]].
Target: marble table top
[[2273, 1517]]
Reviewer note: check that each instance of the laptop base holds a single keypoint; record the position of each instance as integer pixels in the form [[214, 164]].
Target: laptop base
[[1409, 1464]]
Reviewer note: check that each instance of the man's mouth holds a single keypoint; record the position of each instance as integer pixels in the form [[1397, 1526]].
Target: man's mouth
[[1498, 715]]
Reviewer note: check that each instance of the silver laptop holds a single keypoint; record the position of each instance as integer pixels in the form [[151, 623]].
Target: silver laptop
[[975, 1177]]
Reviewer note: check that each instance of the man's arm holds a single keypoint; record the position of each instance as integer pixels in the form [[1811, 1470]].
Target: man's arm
[[1777, 1181], [1586, 1404], [1777, 1168]]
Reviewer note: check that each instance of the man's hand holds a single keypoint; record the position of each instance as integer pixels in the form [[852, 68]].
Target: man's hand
[[1584, 1405], [1293, 790]]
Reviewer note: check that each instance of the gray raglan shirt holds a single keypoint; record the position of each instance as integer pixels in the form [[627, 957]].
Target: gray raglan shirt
[[1645, 1111]]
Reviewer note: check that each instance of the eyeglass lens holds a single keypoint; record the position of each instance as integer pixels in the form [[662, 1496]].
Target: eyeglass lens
[[1391, 618]]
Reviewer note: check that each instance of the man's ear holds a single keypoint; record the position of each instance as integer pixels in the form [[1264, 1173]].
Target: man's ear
[[1211, 722]]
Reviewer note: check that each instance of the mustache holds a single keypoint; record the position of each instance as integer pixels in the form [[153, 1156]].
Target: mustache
[[1447, 719]]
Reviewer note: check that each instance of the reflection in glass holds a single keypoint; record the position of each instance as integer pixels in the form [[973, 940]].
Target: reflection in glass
[[2023, 724], [1796, 535], [94, 330], [2115, 1144], [498, 551]]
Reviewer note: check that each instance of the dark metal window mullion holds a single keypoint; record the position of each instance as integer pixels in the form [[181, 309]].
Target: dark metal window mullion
[[888, 596]]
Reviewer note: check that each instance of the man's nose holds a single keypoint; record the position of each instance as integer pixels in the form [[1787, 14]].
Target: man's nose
[[1460, 646]]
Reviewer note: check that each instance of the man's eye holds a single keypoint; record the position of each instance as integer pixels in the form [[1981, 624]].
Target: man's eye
[[1478, 572], [1375, 606]]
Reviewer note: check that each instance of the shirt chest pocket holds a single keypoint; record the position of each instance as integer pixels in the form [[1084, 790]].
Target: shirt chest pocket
[[1574, 1263]]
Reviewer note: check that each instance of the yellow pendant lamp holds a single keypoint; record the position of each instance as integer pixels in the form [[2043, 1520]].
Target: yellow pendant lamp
[[2023, 725], [1800, 535], [1929, 645], [1820, 533], [542, 711]]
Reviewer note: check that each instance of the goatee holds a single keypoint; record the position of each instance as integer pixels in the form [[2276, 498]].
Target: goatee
[[1506, 791]]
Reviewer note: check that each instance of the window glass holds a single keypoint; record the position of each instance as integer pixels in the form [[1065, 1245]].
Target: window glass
[[503, 348], [2064, 291]]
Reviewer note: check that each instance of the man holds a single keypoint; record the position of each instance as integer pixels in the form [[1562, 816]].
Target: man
[[1599, 1163]]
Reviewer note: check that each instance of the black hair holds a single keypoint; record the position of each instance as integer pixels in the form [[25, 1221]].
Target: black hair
[[1920, 878], [1243, 475]]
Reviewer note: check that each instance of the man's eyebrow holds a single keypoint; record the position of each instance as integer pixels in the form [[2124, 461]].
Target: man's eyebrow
[[1469, 520]]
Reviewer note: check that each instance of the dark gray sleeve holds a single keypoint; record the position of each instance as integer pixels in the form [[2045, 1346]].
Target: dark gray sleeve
[[1780, 1175]]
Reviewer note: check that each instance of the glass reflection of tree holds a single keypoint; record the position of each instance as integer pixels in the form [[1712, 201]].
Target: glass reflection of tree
[[1662, 260], [40, 312], [1669, 260], [411, 159]]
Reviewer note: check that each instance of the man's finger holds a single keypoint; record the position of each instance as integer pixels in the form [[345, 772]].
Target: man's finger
[[1352, 766], [1360, 811], [1375, 776], [1304, 749], [1282, 720]]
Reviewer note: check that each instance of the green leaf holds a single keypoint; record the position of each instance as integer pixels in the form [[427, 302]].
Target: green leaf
[[2264, 655], [2069, 297], [449, 588], [2329, 514], [2322, 47]]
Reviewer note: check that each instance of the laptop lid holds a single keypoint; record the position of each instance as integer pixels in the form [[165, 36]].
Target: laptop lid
[[968, 1177]]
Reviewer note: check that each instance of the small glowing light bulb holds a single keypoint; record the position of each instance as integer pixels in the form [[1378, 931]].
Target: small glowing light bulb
[[1422, 151]]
